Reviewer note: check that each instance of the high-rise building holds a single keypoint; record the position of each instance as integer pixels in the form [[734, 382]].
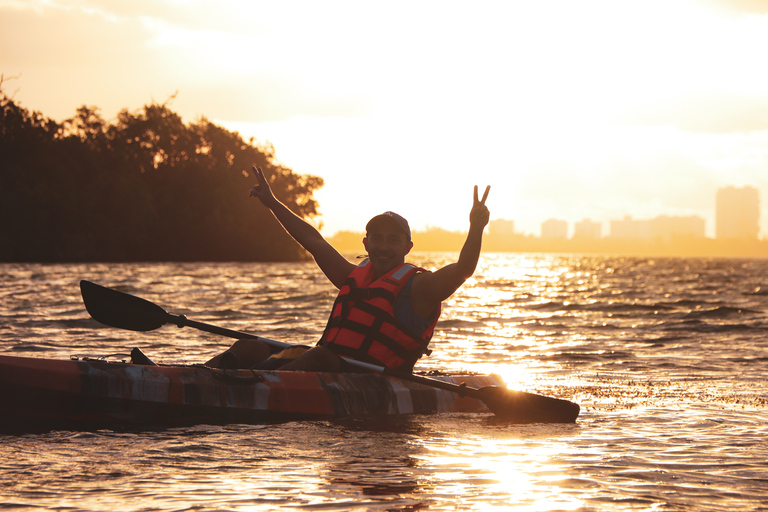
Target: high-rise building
[[737, 213]]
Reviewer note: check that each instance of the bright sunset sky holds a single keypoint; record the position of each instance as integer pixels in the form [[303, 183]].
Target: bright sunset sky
[[568, 109]]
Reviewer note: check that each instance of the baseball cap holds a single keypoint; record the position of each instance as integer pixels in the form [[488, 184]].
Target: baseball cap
[[391, 219]]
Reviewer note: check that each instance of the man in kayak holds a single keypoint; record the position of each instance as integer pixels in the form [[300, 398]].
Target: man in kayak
[[386, 309]]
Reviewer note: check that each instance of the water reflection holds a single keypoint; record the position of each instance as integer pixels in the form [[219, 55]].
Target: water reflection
[[664, 357], [420, 462], [516, 466]]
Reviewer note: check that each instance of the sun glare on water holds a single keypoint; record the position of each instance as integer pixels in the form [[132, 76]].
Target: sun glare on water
[[513, 470]]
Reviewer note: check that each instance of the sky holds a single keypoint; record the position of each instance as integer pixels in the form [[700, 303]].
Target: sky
[[593, 109]]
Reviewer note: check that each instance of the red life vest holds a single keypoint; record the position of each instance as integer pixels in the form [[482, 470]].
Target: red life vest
[[362, 324]]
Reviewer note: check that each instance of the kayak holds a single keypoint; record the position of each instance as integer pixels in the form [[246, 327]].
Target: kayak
[[43, 394], [88, 393]]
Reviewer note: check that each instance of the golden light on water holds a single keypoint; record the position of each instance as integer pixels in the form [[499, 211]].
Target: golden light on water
[[668, 424], [516, 376], [514, 471], [510, 304]]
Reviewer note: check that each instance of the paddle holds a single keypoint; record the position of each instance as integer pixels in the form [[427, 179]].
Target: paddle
[[119, 309]]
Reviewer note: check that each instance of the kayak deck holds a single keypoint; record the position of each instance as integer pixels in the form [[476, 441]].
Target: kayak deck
[[38, 393]]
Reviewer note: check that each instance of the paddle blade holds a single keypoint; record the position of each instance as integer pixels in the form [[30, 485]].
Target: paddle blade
[[118, 309], [522, 407]]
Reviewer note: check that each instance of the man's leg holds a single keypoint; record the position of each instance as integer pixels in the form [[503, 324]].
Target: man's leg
[[316, 359], [245, 353]]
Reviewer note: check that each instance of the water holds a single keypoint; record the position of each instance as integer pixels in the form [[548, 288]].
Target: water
[[667, 358]]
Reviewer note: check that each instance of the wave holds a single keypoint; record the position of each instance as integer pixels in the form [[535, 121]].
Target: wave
[[722, 312]]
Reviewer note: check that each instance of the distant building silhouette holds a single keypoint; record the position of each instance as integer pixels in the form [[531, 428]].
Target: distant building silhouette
[[554, 228], [737, 213], [661, 228], [501, 227], [629, 228], [667, 228], [587, 229]]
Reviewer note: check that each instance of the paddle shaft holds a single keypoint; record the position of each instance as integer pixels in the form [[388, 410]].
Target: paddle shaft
[[126, 311], [183, 321]]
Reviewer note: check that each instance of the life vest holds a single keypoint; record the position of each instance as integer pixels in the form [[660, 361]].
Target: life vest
[[362, 324]]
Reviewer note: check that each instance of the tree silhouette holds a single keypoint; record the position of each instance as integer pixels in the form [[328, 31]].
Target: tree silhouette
[[146, 187]]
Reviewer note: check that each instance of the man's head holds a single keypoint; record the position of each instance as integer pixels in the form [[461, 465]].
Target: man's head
[[387, 240], [389, 219]]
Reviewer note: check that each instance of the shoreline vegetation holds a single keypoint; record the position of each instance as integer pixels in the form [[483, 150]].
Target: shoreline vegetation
[[149, 187], [143, 187]]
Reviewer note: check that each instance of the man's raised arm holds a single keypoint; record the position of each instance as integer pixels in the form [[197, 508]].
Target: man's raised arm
[[433, 288], [335, 267]]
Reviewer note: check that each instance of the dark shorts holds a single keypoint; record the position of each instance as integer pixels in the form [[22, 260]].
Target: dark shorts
[[278, 359]]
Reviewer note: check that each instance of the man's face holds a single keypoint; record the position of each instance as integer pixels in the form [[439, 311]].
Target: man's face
[[387, 247]]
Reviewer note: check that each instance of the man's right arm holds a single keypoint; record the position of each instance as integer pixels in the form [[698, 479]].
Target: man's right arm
[[335, 266]]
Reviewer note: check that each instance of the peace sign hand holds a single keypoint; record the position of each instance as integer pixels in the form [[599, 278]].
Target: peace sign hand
[[261, 190], [480, 215]]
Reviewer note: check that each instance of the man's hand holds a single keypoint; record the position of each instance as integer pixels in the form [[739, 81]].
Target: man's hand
[[480, 215], [262, 190]]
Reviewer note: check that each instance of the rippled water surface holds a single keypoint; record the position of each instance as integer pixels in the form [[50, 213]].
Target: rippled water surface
[[667, 358]]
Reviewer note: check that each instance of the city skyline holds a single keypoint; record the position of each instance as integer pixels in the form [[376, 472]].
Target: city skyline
[[674, 234], [737, 214]]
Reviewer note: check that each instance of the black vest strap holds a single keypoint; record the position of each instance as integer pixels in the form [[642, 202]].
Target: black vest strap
[[373, 332]]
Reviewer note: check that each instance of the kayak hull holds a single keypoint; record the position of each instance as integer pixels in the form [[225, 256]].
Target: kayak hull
[[44, 394]]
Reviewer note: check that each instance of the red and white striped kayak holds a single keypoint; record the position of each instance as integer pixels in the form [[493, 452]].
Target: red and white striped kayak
[[37, 393]]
